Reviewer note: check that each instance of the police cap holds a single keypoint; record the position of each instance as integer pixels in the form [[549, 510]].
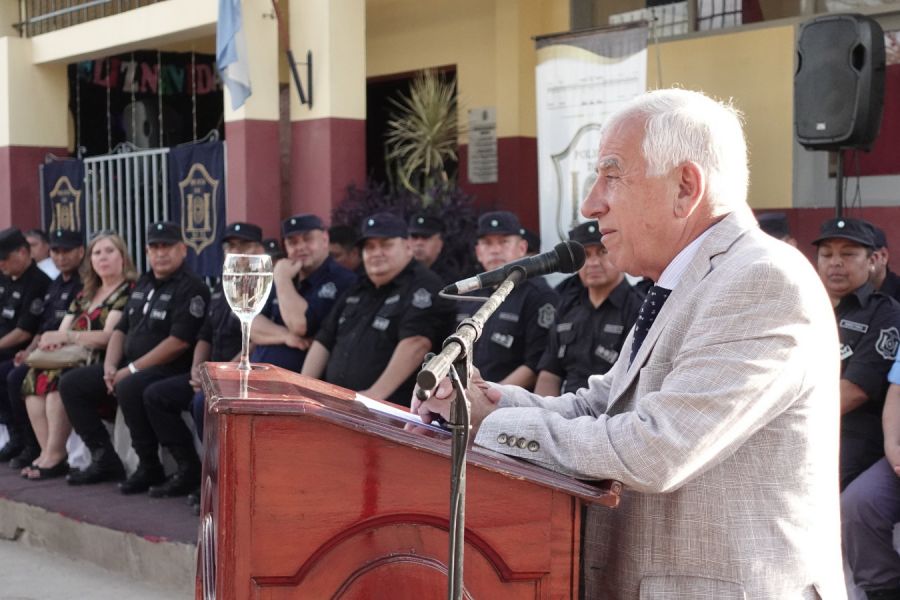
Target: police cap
[[533, 240], [164, 232], [243, 231], [855, 230], [273, 248], [66, 239], [501, 222], [775, 224], [11, 239], [423, 224], [586, 234], [301, 224], [383, 225], [880, 238]]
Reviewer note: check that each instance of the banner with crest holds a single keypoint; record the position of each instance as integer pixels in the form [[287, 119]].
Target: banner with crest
[[197, 202], [581, 78], [62, 198]]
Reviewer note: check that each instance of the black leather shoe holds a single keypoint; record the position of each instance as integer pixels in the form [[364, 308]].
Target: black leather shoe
[[25, 458], [10, 451], [141, 480], [105, 466], [179, 484]]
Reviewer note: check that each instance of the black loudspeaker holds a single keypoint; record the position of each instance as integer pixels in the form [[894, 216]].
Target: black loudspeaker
[[839, 83]]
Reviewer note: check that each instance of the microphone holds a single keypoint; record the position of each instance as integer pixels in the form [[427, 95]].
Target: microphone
[[566, 257]]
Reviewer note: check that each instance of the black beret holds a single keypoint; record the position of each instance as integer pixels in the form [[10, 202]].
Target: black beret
[[586, 234], [164, 232], [66, 238], [243, 231], [383, 225], [301, 224], [423, 224], [855, 230], [11, 239], [500, 222]]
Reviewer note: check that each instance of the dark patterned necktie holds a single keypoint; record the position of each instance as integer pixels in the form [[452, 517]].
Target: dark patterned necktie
[[653, 302]]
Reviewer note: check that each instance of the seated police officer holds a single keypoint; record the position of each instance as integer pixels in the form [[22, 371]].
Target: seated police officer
[[219, 340], [593, 319], [151, 342], [22, 289], [376, 337], [67, 252], [515, 336], [342, 245], [306, 285], [426, 238], [868, 324], [40, 252]]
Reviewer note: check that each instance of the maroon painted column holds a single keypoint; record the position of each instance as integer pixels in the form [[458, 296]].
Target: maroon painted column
[[253, 166], [328, 139], [20, 193]]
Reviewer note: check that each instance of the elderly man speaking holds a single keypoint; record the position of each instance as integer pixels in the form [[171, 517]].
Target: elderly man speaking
[[721, 414]]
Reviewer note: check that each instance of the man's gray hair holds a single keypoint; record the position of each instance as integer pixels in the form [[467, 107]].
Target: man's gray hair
[[683, 125]]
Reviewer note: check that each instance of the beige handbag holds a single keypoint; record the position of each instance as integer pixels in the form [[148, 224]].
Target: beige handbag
[[64, 357]]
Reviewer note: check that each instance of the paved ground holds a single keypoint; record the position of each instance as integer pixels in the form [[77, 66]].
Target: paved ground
[[32, 574]]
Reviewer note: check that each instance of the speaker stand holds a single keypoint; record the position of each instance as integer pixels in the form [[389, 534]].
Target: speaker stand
[[839, 201]]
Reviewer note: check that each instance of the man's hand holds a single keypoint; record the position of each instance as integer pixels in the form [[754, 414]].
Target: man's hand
[[109, 376], [20, 357], [292, 340], [194, 381], [286, 270], [482, 397]]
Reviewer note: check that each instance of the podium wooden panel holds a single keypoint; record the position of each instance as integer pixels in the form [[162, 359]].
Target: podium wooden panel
[[309, 494]]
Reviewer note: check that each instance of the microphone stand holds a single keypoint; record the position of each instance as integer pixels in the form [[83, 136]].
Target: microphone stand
[[455, 359]]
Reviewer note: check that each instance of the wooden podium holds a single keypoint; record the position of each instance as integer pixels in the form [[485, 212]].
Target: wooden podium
[[307, 493]]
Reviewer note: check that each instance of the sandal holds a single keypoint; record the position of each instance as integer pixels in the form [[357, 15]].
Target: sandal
[[58, 470], [27, 471]]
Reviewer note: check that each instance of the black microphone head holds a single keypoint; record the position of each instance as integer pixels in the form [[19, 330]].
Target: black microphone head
[[571, 256]]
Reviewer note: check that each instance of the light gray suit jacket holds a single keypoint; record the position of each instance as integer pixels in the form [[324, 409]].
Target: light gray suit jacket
[[724, 431]]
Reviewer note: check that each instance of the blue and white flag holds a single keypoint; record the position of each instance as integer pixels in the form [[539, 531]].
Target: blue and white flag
[[231, 52]]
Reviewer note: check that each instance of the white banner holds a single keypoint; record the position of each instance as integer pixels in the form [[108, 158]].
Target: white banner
[[581, 79]]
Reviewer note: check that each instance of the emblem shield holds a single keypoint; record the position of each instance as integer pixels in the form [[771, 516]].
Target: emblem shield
[[574, 168], [199, 221]]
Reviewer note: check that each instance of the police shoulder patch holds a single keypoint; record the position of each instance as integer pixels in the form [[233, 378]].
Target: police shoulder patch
[[546, 314], [328, 291], [37, 306], [197, 307], [888, 341], [421, 298]]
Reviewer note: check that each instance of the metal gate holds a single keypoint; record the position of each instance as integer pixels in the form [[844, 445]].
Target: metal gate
[[125, 191]]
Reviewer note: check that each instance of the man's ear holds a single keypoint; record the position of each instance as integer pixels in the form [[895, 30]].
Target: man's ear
[[691, 188]]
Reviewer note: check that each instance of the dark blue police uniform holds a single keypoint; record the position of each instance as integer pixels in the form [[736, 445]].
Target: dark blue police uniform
[[585, 340], [516, 334], [368, 322], [320, 289]]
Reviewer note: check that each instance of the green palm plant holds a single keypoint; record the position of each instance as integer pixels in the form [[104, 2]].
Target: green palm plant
[[422, 135]]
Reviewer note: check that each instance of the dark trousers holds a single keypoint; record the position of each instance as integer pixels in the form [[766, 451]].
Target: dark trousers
[[198, 411], [870, 506], [164, 401], [17, 409], [83, 391], [6, 365]]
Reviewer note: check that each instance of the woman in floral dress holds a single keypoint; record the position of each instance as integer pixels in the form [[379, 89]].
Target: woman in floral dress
[[108, 276]]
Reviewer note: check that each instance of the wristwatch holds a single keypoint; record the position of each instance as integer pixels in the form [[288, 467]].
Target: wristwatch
[[132, 369]]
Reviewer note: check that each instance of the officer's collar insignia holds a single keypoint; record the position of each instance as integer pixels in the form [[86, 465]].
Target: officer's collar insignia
[[422, 298]]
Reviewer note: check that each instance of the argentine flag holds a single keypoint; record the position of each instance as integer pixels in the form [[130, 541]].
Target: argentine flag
[[231, 52]]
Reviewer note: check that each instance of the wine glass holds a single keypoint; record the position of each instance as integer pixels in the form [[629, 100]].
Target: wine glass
[[246, 281]]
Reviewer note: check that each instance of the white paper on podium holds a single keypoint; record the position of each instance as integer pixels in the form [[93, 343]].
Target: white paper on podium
[[387, 409]]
